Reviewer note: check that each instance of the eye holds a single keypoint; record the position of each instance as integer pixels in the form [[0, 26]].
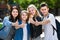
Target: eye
[[29, 11], [45, 9], [42, 9], [13, 11]]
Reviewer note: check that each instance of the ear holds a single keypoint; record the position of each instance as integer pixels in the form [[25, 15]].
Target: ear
[[48, 9]]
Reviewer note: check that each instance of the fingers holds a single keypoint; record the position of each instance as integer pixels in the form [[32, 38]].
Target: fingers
[[16, 22], [22, 25], [32, 21], [36, 20]]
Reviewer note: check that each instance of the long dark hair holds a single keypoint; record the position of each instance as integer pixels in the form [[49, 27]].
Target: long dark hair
[[11, 16]]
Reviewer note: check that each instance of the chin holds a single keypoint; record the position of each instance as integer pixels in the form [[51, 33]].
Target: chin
[[24, 19]]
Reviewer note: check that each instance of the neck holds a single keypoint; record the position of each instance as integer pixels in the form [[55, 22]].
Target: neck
[[23, 21], [14, 17], [45, 15]]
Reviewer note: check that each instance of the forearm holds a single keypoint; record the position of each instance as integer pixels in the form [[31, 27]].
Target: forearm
[[6, 22], [44, 22]]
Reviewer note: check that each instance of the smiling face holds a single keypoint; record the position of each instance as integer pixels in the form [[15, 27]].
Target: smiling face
[[44, 10], [14, 13], [24, 16], [32, 11]]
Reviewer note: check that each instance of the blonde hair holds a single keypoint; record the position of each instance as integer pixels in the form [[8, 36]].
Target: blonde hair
[[24, 11], [37, 14]]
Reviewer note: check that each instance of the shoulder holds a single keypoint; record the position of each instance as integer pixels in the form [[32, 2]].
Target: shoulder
[[6, 18], [51, 15], [28, 25], [38, 18], [20, 21]]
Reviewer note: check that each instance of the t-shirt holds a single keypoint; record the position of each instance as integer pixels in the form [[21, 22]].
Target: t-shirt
[[25, 32], [48, 29], [36, 30]]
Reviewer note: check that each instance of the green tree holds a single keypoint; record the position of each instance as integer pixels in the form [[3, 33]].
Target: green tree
[[24, 3]]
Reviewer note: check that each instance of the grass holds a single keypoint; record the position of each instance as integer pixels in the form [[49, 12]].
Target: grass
[[0, 25]]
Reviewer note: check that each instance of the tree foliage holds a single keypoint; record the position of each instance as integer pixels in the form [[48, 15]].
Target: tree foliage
[[24, 3]]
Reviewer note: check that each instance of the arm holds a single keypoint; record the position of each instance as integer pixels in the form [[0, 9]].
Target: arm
[[17, 26], [50, 19], [6, 22], [44, 22]]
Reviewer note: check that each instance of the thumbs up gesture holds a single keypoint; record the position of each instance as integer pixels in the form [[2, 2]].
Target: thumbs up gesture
[[36, 23]]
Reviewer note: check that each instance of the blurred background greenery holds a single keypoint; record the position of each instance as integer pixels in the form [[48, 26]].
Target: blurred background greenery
[[24, 3], [0, 25], [54, 6]]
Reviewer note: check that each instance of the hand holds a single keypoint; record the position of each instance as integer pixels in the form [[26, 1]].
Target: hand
[[32, 21], [16, 24], [37, 23], [22, 25]]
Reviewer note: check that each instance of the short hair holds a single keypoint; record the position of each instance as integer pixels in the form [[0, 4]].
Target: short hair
[[26, 12], [43, 4]]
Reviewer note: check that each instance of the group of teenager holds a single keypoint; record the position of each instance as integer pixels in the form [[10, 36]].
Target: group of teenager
[[28, 24]]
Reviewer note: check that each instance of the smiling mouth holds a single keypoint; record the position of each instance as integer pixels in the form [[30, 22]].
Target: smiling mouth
[[15, 14]]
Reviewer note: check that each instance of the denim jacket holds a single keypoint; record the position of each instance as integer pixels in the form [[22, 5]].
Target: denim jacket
[[19, 32], [4, 31]]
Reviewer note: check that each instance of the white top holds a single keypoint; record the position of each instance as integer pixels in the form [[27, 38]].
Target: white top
[[48, 30], [25, 32]]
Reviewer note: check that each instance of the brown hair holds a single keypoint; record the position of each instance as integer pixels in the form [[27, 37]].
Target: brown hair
[[43, 4]]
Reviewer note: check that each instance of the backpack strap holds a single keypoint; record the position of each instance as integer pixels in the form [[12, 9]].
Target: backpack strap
[[53, 29]]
